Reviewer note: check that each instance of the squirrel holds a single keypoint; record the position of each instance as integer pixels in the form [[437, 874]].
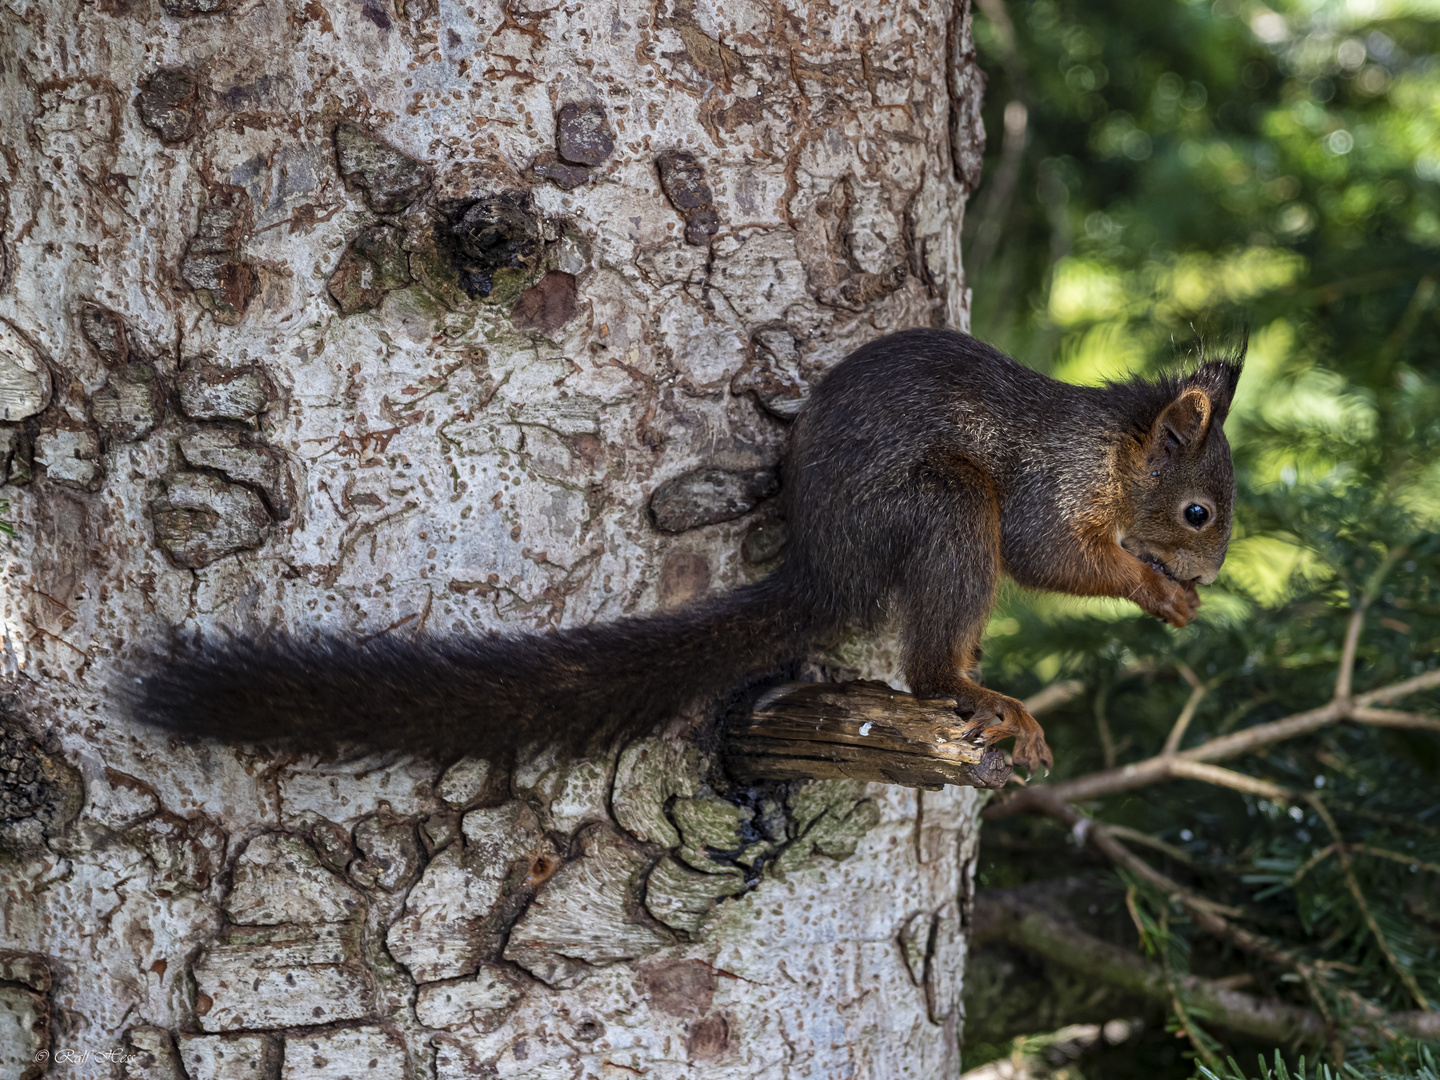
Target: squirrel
[[923, 466]]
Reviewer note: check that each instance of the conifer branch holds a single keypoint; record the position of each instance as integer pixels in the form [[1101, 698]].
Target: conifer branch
[[1354, 849], [1353, 884], [1210, 916], [1006, 916]]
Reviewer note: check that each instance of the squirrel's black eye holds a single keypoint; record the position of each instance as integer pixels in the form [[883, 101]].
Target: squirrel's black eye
[[1196, 515]]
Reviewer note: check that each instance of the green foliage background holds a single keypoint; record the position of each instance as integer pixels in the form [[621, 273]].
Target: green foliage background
[[1166, 172]]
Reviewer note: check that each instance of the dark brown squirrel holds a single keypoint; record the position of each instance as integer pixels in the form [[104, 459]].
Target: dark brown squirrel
[[924, 466]]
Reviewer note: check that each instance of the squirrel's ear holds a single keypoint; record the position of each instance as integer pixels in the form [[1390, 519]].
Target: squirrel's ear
[[1183, 422], [1218, 379]]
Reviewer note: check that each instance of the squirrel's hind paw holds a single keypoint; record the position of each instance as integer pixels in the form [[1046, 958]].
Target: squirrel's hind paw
[[1031, 751]]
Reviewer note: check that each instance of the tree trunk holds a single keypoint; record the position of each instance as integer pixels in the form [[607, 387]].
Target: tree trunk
[[431, 319]]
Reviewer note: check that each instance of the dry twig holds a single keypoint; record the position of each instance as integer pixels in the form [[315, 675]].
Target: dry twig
[[1164, 766], [1198, 691]]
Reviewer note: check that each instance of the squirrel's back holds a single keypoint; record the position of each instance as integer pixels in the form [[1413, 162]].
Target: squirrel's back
[[892, 409]]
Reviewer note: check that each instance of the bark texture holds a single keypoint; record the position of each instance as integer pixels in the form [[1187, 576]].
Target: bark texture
[[396, 316]]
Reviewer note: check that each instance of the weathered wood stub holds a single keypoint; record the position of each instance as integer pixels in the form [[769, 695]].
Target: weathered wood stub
[[861, 730], [405, 317]]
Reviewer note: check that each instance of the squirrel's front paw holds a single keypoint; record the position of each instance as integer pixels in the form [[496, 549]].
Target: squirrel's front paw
[[1172, 601]]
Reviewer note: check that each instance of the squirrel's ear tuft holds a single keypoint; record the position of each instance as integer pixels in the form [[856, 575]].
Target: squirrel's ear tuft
[[1217, 379]]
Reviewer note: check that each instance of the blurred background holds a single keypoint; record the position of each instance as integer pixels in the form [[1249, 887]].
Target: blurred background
[[1160, 175]]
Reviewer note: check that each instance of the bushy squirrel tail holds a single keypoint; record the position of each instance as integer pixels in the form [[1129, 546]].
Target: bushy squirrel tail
[[482, 696]]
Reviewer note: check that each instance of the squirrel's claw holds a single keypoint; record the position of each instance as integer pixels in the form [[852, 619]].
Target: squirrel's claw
[[976, 727]]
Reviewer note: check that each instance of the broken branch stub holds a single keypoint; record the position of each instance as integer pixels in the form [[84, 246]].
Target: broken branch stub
[[861, 731]]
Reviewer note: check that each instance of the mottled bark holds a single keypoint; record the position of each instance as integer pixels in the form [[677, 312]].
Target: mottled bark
[[396, 317]]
